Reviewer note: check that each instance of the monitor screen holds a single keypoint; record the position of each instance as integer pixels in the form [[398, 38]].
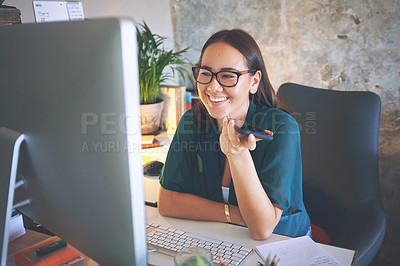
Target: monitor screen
[[71, 89]]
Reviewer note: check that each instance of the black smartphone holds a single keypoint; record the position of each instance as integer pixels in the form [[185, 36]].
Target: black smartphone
[[256, 131]]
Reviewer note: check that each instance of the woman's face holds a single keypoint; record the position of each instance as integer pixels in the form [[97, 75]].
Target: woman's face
[[231, 102]]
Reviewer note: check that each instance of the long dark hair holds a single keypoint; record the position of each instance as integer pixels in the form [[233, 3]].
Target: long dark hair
[[247, 46]]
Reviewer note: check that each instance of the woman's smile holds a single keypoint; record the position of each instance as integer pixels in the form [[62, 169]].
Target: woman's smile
[[218, 100]]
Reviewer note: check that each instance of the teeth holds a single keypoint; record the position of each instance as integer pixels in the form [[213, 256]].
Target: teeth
[[217, 99]]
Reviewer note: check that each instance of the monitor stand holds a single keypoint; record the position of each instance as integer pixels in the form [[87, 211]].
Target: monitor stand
[[10, 143]]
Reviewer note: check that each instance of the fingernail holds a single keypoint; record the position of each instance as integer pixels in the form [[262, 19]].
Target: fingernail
[[225, 119], [232, 121]]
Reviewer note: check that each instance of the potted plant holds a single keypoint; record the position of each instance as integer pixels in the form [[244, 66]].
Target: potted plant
[[156, 65]]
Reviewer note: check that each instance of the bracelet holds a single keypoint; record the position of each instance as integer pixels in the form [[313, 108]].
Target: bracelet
[[227, 214]]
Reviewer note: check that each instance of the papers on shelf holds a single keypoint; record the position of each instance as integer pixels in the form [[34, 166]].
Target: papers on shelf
[[296, 251], [17, 228]]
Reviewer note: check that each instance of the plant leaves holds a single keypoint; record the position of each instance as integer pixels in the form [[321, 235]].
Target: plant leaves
[[155, 61]]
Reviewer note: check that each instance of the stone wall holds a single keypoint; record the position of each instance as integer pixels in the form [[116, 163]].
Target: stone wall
[[337, 44]]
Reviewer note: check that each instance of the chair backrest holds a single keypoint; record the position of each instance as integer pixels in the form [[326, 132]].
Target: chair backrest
[[339, 140]]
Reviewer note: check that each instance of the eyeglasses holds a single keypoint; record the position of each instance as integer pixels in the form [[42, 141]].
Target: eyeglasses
[[225, 78]]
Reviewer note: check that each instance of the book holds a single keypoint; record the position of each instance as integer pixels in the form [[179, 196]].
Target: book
[[149, 141], [174, 106], [296, 251]]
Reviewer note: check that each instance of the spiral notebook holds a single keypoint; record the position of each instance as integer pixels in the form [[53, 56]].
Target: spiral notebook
[[296, 251]]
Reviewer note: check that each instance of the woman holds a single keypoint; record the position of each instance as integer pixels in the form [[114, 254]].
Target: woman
[[214, 173]]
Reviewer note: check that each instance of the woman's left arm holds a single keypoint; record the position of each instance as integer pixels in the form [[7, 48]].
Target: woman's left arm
[[259, 213]]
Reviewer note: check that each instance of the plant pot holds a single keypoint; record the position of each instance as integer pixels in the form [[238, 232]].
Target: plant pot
[[150, 117]]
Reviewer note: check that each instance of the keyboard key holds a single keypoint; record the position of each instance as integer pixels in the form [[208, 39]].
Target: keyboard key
[[179, 232], [220, 254], [246, 249], [226, 244], [243, 253], [235, 246], [235, 262], [227, 261], [229, 253], [236, 257]]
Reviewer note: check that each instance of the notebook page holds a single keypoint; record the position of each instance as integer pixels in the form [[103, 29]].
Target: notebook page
[[296, 251]]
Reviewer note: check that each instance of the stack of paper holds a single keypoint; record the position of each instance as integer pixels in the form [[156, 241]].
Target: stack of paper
[[17, 228], [296, 251]]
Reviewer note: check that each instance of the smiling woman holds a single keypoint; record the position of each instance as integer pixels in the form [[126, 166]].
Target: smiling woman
[[243, 180]]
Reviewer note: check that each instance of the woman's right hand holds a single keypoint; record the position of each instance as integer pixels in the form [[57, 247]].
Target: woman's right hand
[[232, 143]]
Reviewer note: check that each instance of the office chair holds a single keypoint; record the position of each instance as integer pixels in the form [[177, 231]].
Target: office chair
[[339, 141]]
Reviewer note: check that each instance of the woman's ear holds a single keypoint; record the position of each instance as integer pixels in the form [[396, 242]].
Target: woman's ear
[[255, 81]]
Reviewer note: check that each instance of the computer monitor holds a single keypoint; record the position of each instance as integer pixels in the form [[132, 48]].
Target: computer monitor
[[71, 89]]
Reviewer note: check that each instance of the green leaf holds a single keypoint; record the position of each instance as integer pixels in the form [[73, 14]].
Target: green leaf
[[154, 61]]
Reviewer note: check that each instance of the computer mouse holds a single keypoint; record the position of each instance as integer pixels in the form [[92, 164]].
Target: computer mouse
[[153, 168]]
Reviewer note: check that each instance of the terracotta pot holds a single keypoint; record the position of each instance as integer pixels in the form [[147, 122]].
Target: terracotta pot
[[150, 117]]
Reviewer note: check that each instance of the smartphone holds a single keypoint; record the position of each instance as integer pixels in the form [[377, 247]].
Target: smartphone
[[256, 131]]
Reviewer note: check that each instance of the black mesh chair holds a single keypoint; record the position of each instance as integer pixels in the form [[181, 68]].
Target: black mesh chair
[[339, 141]]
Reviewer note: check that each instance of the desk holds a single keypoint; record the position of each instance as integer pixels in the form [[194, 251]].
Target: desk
[[228, 232], [231, 233]]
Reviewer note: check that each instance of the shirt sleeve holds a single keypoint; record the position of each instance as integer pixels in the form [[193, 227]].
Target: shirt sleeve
[[281, 168], [180, 163]]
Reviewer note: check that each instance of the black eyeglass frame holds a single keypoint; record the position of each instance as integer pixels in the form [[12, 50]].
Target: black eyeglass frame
[[237, 73]]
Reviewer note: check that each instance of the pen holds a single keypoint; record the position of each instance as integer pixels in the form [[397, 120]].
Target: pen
[[267, 261], [260, 264], [273, 262], [74, 261]]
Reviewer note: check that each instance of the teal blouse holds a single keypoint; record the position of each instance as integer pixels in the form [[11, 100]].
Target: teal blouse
[[195, 164]]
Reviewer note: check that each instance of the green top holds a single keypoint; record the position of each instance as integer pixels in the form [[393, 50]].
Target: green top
[[195, 164]]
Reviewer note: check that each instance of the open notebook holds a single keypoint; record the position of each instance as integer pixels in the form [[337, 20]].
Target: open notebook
[[296, 251]]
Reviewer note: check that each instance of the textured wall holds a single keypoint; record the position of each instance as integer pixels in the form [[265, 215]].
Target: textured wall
[[337, 44]]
